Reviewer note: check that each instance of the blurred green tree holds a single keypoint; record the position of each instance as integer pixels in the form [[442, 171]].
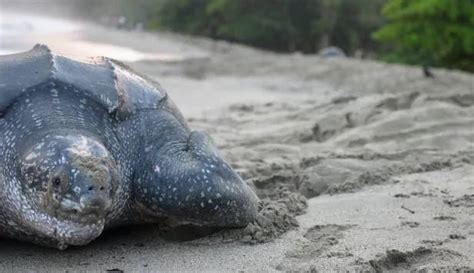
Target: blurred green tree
[[430, 32], [282, 25]]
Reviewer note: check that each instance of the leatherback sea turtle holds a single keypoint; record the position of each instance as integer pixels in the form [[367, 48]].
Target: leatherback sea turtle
[[91, 145]]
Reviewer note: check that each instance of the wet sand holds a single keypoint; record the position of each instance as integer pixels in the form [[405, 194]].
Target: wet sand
[[383, 156]]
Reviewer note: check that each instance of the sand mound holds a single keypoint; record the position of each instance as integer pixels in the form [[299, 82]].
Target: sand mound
[[275, 218], [418, 259]]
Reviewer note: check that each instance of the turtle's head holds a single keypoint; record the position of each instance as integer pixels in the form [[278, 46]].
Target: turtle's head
[[72, 178]]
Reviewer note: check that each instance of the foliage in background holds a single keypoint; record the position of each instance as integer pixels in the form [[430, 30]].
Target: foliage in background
[[430, 32], [282, 25], [108, 11]]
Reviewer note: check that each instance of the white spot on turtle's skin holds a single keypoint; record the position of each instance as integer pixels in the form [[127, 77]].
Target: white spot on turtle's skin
[[54, 92], [31, 156], [77, 190], [157, 169], [81, 147]]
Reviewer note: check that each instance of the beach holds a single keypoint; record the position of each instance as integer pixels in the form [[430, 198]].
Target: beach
[[360, 165]]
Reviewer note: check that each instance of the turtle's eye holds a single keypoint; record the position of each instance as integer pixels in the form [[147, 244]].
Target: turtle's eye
[[57, 186], [56, 181]]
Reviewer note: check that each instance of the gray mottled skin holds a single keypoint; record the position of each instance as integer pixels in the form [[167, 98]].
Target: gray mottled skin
[[88, 146]]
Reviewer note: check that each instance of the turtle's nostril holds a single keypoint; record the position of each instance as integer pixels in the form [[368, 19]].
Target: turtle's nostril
[[90, 188]]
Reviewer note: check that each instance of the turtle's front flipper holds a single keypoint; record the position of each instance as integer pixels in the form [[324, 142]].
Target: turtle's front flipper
[[180, 175]]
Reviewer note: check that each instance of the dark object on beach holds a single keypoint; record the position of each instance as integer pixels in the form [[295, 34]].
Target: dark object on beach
[[332, 52], [87, 146], [427, 72]]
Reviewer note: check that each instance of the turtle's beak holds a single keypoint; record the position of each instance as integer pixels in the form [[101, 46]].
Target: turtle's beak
[[96, 204], [90, 196]]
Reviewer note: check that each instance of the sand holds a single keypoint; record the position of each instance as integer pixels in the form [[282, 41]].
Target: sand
[[360, 165]]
